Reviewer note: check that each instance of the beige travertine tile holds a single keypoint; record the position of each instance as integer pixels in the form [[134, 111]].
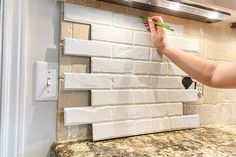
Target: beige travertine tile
[[62, 131], [196, 28], [233, 112], [81, 31], [80, 64], [66, 30], [210, 95], [81, 132], [184, 22], [223, 113], [220, 50], [114, 7], [65, 65], [80, 98]]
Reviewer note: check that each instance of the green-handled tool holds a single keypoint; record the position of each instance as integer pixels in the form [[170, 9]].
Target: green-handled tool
[[144, 18]]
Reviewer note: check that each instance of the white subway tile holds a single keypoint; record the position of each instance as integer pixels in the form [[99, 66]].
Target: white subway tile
[[131, 112], [143, 38], [145, 126], [112, 97], [127, 21], [103, 65], [183, 95], [130, 81], [130, 52], [119, 97], [86, 115], [87, 48], [169, 109], [110, 130], [184, 43], [166, 82], [173, 70], [184, 122], [150, 96], [156, 56], [86, 81], [77, 13], [141, 67], [111, 34]]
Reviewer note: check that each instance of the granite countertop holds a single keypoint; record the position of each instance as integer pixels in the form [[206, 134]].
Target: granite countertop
[[208, 141]]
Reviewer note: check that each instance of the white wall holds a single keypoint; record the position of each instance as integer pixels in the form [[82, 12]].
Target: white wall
[[40, 117]]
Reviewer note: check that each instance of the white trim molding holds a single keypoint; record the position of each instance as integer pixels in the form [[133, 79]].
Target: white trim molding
[[13, 77]]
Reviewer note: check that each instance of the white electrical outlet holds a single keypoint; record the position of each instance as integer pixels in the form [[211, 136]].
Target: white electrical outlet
[[46, 82]]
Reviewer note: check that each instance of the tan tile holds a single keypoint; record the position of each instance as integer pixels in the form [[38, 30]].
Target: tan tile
[[81, 31], [80, 132], [220, 50], [223, 113], [114, 7], [62, 131], [210, 95], [184, 22], [80, 64], [65, 65], [233, 112], [66, 30], [80, 98]]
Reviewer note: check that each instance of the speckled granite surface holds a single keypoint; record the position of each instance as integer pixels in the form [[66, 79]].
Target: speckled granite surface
[[210, 141]]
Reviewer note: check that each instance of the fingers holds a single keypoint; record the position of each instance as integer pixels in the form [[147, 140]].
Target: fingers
[[151, 25], [160, 30]]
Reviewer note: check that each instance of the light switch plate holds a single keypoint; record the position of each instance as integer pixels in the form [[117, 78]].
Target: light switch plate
[[46, 82]]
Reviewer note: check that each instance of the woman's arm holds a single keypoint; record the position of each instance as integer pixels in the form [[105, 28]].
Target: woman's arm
[[204, 71]]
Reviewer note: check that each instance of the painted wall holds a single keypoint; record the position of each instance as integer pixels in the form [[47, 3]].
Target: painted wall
[[40, 117]]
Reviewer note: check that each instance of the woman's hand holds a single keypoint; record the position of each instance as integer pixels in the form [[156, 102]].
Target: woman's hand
[[158, 34]]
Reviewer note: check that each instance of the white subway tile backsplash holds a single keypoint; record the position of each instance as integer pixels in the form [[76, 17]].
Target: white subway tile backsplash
[[183, 95], [127, 21], [143, 38], [169, 109], [184, 43], [131, 112], [130, 81], [166, 82], [134, 89], [130, 52], [141, 67], [77, 13], [111, 97], [85, 81], [100, 65], [111, 34], [87, 48], [125, 97], [103, 131], [184, 122], [86, 115]]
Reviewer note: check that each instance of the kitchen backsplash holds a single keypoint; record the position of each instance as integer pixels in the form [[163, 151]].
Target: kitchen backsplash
[[113, 83]]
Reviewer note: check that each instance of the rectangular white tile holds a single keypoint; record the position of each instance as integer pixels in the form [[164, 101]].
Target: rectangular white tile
[[143, 38], [77, 13], [166, 82], [86, 81], [184, 122], [111, 34], [102, 131], [130, 52], [111, 97], [141, 67], [87, 48], [131, 112], [120, 81], [110, 130], [102, 65], [86, 115], [125, 97], [183, 95], [128, 21], [168, 109], [184, 43]]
